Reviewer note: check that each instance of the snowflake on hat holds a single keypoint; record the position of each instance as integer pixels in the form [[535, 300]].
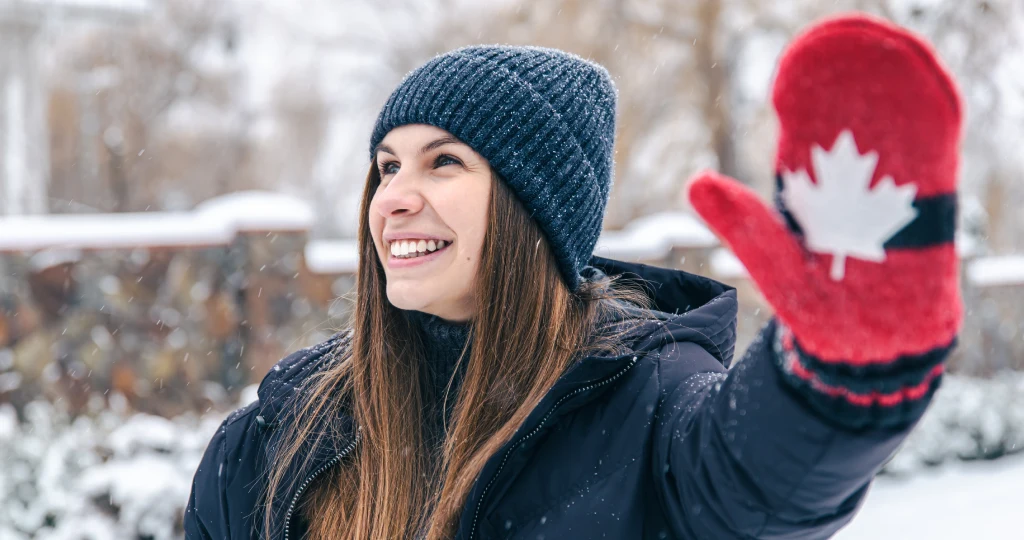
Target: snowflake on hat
[[857, 257]]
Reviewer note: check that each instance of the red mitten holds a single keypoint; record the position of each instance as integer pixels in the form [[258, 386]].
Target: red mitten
[[858, 262]]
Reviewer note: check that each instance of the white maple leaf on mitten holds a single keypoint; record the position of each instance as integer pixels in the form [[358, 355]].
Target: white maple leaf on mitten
[[841, 214]]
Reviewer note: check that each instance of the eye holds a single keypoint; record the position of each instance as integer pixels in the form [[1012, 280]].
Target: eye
[[388, 167], [446, 159]]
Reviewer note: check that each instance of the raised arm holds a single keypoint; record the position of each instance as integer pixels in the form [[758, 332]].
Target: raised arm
[[748, 454], [857, 261]]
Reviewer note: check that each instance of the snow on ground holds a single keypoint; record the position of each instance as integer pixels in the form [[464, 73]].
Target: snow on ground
[[956, 501]]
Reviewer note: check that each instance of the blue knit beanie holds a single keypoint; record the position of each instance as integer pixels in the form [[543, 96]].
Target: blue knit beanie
[[545, 121]]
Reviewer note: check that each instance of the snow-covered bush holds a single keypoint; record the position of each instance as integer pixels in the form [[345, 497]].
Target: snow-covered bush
[[107, 475], [969, 419]]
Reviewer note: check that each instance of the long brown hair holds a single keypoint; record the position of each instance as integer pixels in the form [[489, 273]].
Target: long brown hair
[[529, 327]]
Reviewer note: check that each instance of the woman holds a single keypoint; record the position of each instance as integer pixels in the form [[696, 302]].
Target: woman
[[499, 382]]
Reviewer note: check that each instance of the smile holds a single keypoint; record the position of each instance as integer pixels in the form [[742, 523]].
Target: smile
[[406, 253], [415, 248]]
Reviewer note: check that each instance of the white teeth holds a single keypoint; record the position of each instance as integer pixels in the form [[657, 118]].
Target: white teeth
[[414, 248]]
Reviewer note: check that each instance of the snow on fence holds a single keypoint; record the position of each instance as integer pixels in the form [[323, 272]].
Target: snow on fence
[[216, 222], [996, 271], [653, 237], [333, 256]]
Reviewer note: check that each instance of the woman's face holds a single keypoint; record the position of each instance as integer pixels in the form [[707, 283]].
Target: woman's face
[[428, 218]]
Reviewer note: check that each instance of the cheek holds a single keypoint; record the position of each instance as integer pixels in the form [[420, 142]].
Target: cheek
[[376, 222], [474, 222]]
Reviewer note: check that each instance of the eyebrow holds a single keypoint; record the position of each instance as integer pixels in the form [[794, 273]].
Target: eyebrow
[[432, 145]]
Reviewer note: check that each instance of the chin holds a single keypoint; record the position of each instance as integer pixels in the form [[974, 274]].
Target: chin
[[407, 299]]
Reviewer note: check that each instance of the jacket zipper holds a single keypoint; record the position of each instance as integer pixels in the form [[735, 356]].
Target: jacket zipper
[[334, 461], [534, 431]]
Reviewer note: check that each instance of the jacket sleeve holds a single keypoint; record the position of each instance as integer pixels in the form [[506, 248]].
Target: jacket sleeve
[[206, 514], [748, 453]]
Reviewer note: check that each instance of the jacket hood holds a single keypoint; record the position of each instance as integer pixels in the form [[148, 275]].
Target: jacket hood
[[686, 307]]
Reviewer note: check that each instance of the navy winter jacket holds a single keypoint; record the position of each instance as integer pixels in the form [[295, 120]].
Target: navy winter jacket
[[663, 442]]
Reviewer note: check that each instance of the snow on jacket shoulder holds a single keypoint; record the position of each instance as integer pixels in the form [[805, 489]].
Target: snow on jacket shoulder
[[661, 442]]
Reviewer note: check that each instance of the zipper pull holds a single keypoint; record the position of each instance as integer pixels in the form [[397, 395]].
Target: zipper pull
[[264, 425]]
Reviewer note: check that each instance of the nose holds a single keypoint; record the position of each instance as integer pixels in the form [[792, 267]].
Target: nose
[[399, 197]]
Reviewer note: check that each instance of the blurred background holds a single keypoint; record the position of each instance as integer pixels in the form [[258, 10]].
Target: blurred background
[[179, 187]]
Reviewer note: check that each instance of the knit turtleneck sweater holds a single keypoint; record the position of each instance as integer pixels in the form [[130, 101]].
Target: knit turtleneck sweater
[[442, 346]]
